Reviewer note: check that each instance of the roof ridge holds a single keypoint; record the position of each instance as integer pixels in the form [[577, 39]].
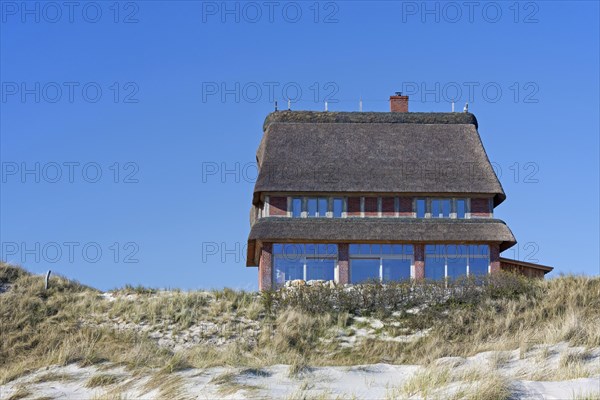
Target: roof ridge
[[370, 117]]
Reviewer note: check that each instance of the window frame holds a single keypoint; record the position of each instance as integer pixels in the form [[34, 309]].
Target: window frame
[[468, 255], [382, 256], [303, 257], [453, 211]]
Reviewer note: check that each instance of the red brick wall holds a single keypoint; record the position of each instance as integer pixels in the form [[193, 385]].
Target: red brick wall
[[343, 263], [480, 207], [494, 258], [371, 207], [406, 206], [419, 261], [387, 206], [354, 206], [278, 206], [265, 267]]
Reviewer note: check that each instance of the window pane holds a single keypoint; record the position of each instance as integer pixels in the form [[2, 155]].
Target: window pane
[[478, 265], [434, 267], [408, 249], [370, 204], [375, 249], [436, 208], [420, 208], [312, 207], [322, 207], [362, 270], [461, 208], [338, 205], [397, 249], [320, 268], [386, 249], [445, 208], [287, 270], [365, 249], [277, 249], [322, 249], [457, 266], [479, 250], [396, 270], [354, 249], [484, 249], [293, 251], [297, 207], [310, 249], [332, 249]]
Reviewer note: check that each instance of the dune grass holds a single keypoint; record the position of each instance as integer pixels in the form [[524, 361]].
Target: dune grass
[[73, 323]]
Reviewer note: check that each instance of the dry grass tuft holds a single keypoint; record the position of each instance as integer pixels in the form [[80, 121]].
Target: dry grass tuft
[[103, 380], [426, 382], [20, 393]]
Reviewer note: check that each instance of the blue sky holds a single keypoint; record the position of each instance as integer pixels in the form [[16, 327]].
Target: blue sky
[[138, 122]]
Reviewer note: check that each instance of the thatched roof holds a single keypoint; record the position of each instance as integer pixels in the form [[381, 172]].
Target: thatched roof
[[416, 153], [379, 230]]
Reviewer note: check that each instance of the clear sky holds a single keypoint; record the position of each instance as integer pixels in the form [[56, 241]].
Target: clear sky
[[129, 130]]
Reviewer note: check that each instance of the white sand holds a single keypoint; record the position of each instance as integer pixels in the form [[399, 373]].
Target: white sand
[[377, 381]]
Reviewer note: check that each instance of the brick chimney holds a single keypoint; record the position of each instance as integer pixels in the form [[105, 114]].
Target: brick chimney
[[399, 103]]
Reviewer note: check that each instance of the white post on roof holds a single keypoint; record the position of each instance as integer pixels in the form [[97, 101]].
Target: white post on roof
[[360, 104], [325, 106], [289, 105], [452, 105]]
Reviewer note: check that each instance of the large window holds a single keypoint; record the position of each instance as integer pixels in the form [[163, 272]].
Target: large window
[[454, 261], [304, 261], [381, 262]]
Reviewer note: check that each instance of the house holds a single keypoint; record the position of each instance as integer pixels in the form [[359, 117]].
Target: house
[[353, 196]]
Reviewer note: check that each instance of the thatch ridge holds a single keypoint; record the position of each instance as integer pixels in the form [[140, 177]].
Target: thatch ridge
[[323, 117]]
